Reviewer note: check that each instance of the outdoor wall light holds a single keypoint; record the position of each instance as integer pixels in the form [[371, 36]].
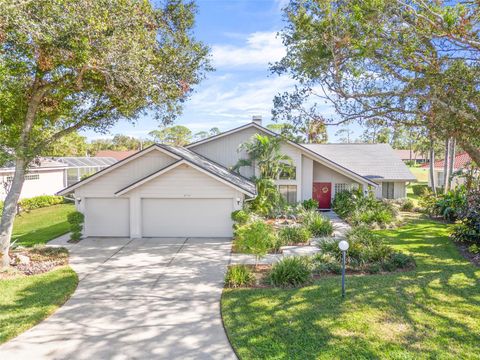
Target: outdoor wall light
[[238, 201], [343, 246]]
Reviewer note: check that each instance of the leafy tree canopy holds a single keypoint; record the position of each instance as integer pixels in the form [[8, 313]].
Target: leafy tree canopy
[[411, 62], [177, 135]]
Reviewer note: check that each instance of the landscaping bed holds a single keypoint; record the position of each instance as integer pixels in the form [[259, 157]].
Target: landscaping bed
[[34, 261]]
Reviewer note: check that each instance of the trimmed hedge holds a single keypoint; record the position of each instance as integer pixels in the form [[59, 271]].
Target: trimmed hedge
[[40, 202], [419, 189], [76, 219]]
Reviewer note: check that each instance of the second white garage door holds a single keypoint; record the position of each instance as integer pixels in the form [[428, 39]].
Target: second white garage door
[[187, 217]]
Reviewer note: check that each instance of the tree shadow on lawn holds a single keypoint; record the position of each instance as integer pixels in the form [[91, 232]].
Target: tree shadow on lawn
[[34, 298], [430, 312]]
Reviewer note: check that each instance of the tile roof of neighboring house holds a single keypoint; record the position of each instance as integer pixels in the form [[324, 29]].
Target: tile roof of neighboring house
[[373, 161], [405, 155], [212, 167], [460, 162], [42, 163], [119, 155]]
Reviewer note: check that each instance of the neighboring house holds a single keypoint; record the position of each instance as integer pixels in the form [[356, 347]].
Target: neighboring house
[[44, 177], [461, 162], [410, 155], [81, 167], [118, 155], [190, 191]]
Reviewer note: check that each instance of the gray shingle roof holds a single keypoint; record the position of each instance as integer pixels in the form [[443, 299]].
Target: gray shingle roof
[[212, 167], [373, 161]]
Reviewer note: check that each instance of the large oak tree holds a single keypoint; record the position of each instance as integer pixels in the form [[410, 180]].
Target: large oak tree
[[413, 62], [67, 65]]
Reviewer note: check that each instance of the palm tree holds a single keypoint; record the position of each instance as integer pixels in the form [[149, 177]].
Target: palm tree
[[264, 152]]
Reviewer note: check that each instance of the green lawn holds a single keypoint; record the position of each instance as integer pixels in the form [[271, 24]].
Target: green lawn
[[432, 312], [420, 173], [25, 301], [41, 225]]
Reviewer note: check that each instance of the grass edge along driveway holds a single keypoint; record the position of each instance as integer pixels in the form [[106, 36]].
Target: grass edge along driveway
[[27, 300], [430, 312]]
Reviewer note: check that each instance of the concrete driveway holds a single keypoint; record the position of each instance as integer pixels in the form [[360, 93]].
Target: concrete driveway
[[155, 298]]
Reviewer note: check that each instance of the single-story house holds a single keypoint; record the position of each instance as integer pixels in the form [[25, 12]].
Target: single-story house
[[190, 191], [461, 161], [410, 155], [44, 177]]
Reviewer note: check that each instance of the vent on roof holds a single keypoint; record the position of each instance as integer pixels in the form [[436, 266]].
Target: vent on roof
[[257, 119]]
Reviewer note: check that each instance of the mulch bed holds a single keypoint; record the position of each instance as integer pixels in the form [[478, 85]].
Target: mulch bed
[[33, 261], [473, 258]]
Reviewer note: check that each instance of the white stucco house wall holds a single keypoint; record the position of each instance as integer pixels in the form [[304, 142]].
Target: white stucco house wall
[[45, 177], [190, 191]]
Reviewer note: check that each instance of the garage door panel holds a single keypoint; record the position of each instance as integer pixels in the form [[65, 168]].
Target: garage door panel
[[186, 217], [107, 217]]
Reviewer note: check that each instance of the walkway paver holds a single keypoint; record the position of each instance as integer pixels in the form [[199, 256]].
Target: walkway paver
[[151, 298]]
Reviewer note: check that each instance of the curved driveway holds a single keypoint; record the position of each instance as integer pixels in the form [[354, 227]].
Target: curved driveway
[[153, 298]]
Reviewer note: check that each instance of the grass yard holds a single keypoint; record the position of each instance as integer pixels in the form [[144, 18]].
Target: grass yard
[[420, 173], [432, 312], [41, 225], [27, 300]]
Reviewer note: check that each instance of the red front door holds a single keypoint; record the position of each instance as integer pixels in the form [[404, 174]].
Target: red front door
[[322, 192]]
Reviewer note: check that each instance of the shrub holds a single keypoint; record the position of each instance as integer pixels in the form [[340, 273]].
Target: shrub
[[419, 189], [40, 202], [358, 208], [255, 238], [367, 252], [290, 272], [238, 276], [407, 205], [294, 234], [447, 205], [326, 263], [318, 225], [468, 227], [241, 217], [474, 249], [310, 204], [75, 219]]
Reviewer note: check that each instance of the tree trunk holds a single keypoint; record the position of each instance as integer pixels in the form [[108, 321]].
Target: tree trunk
[[452, 161], [432, 167], [10, 210], [446, 164], [472, 151]]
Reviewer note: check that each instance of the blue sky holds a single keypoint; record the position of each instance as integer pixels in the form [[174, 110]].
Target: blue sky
[[242, 37]]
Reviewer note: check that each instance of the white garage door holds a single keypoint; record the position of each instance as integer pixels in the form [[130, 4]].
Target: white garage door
[[107, 217], [186, 217]]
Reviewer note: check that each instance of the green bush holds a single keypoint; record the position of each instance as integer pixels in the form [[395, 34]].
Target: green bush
[[239, 276], [367, 252], [241, 217], [318, 225], [294, 234], [326, 263], [255, 238], [407, 205], [474, 249], [449, 205], [310, 204], [40, 202], [290, 272], [358, 208], [76, 219], [419, 189]]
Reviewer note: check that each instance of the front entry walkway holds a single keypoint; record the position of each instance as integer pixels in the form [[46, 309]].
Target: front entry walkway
[[154, 298]]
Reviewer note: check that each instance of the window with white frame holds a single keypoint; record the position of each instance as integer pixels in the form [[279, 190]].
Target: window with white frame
[[289, 193]]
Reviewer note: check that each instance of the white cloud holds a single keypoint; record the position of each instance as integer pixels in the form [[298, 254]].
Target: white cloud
[[259, 49]]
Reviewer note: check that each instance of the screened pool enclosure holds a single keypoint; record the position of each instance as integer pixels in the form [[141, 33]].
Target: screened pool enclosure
[[81, 167]]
